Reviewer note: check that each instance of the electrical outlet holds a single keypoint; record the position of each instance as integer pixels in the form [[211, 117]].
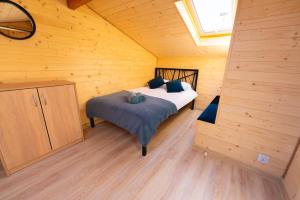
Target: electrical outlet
[[263, 159]]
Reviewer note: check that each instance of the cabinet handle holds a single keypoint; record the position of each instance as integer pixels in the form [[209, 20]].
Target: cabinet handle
[[34, 100], [44, 99]]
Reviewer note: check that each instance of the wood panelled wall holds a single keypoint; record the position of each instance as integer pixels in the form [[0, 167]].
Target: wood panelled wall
[[292, 179], [78, 46], [211, 72], [259, 111]]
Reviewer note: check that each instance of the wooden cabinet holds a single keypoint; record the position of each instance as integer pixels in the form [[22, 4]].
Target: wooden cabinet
[[23, 133], [36, 120], [63, 126]]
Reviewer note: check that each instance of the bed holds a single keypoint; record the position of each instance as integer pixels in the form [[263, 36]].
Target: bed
[[144, 118]]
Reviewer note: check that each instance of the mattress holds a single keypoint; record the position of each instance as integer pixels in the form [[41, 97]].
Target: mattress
[[180, 99]]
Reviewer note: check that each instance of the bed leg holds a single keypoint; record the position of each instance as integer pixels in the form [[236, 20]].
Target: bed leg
[[92, 122], [144, 150], [193, 105]]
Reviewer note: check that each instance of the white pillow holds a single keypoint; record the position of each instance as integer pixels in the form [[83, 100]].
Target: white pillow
[[186, 86], [164, 86]]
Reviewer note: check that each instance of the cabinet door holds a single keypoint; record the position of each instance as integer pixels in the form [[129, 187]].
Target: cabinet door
[[23, 134], [61, 113]]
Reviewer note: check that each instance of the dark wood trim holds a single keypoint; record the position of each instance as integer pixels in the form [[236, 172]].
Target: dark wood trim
[[73, 4]]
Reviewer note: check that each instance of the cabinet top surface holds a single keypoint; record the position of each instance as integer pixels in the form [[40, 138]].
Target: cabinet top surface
[[28, 85]]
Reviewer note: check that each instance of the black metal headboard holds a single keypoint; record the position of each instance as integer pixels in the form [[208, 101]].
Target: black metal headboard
[[187, 75]]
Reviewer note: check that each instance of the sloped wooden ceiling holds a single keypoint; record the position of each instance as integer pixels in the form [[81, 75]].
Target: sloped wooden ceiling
[[155, 24]]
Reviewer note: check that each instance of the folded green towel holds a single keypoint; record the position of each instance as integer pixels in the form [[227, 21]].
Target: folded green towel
[[135, 98]]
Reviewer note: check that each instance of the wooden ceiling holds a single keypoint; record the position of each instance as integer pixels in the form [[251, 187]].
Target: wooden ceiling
[[154, 24]]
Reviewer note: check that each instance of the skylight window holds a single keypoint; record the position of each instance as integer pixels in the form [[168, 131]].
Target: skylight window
[[188, 21], [215, 16]]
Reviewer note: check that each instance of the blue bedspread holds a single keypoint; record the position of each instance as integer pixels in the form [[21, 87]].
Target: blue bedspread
[[140, 119]]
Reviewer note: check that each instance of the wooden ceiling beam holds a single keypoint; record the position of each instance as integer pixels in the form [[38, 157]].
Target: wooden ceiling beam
[[73, 4]]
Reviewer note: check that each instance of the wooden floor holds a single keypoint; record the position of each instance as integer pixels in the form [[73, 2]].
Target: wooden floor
[[108, 165]]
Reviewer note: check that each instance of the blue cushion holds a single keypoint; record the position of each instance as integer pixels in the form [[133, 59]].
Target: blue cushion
[[216, 100], [210, 113], [156, 82], [174, 86]]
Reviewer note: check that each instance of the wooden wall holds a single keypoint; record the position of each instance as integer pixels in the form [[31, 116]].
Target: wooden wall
[[259, 110], [78, 46], [292, 179], [211, 72]]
